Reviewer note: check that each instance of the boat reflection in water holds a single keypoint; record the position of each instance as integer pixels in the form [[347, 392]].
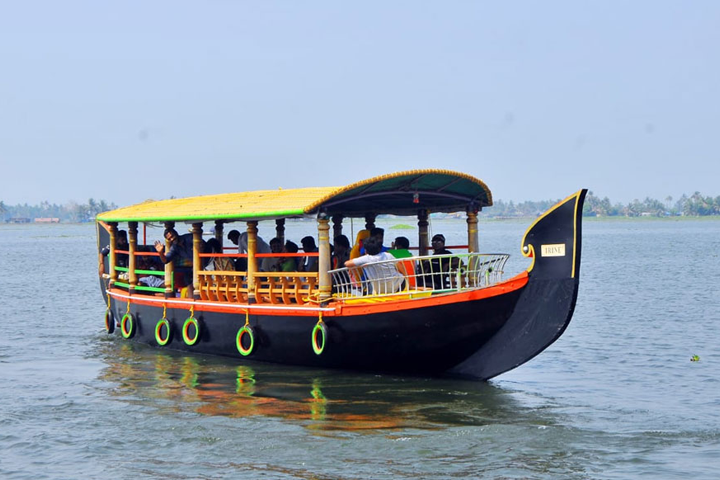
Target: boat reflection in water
[[319, 399]]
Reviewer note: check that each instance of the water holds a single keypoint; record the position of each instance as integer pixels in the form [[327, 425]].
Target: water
[[616, 397]]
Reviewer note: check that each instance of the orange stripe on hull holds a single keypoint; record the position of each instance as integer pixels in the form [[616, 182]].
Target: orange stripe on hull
[[334, 309]]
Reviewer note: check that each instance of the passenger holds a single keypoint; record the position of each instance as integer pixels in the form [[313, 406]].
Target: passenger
[[180, 253], [341, 252], [362, 235], [147, 263], [272, 264], [309, 263], [233, 236], [378, 234], [240, 263], [261, 246], [121, 243], [435, 271], [384, 278], [289, 264], [217, 263], [401, 248]]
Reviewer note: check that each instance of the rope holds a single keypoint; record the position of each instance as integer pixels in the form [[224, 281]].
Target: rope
[[313, 298], [247, 317], [164, 311], [128, 306]]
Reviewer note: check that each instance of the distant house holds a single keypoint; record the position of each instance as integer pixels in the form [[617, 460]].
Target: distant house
[[47, 220], [18, 220]]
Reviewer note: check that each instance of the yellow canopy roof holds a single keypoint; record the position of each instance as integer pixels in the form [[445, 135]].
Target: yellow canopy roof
[[402, 193]]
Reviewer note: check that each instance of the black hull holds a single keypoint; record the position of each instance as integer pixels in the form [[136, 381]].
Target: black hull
[[428, 340]]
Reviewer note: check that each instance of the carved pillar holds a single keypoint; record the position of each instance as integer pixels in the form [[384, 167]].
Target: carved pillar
[[112, 255], [197, 261], [324, 279], [280, 229], [473, 244], [169, 270], [423, 239], [472, 231], [337, 225], [251, 260], [132, 242]]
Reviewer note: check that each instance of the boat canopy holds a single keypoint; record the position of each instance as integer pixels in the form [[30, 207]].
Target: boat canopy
[[401, 193]]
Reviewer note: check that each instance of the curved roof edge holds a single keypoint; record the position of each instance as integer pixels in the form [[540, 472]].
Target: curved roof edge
[[400, 193], [436, 190]]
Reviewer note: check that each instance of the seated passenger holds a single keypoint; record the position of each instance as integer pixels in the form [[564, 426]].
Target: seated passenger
[[147, 263], [341, 252], [382, 276], [362, 235], [121, 243], [261, 245], [289, 264], [240, 263], [378, 234], [272, 264], [400, 248], [436, 271], [217, 263], [310, 263]]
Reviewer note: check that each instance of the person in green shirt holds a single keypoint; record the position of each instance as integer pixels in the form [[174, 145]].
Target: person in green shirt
[[400, 248]]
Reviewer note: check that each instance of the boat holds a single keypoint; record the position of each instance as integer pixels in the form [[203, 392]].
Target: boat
[[448, 315]]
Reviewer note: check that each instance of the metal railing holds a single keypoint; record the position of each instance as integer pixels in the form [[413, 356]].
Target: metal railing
[[420, 275]]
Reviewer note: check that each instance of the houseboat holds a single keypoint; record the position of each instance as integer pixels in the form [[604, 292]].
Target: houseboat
[[426, 312]]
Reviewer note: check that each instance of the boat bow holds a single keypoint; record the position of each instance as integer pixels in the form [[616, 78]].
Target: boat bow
[[547, 302]]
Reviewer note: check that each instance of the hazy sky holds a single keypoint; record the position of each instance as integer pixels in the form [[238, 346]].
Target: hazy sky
[[131, 100]]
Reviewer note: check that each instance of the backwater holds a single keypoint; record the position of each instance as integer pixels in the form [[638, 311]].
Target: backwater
[[616, 397]]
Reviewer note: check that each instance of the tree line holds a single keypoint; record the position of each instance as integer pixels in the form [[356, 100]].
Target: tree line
[[69, 212], [696, 205]]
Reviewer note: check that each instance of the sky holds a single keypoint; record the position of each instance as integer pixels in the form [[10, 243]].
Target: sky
[[135, 100]]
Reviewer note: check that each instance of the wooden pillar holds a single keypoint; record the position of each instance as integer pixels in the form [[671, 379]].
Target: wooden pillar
[[324, 278], [197, 261], [169, 270], [370, 221], [337, 225], [280, 229], [219, 231], [132, 242], [112, 255], [251, 260], [423, 239], [472, 231]]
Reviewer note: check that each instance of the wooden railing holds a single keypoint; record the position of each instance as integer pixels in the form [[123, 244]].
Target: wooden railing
[[276, 288], [286, 287], [223, 286]]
